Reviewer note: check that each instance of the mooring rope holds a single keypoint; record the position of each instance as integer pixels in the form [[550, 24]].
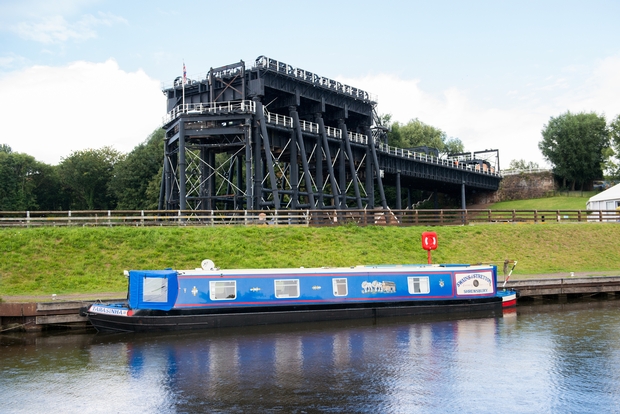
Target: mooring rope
[[18, 326]]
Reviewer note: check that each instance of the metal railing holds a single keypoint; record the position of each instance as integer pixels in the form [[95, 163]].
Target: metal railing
[[228, 107], [526, 171], [311, 127], [278, 119], [324, 217]]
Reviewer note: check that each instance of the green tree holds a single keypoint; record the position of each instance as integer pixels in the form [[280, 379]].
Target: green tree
[[416, 133], [613, 164], [574, 144], [453, 146], [523, 165], [86, 175], [137, 176], [26, 184]]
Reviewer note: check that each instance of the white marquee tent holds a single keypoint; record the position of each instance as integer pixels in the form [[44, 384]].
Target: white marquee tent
[[606, 200]]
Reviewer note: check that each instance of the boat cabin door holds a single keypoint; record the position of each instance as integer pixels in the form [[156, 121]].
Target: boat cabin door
[[153, 289]]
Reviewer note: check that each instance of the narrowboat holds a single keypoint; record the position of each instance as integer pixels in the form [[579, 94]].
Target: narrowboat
[[209, 297]]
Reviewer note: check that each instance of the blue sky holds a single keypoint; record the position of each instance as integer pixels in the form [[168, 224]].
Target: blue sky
[[78, 74]]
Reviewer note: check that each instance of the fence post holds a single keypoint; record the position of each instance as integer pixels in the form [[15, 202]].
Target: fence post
[[142, 217], [109, 219], [69, 220], [28, 219]]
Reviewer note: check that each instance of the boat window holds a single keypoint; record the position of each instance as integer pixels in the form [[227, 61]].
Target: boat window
[[287, 288], [155, 289], [223, 289], [418, 285], [340, 287]]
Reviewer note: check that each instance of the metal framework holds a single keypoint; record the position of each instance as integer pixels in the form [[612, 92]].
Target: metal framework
[[279, 137]]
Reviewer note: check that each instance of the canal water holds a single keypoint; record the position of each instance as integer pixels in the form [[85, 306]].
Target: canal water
[[549, 358]]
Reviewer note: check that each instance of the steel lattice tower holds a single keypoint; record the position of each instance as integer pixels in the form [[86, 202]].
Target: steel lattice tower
[[279, 137]]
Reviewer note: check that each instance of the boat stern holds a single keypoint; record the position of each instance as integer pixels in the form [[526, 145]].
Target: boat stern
[[509, 298]]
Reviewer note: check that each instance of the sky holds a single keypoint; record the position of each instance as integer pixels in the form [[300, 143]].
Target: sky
[[79, 74]]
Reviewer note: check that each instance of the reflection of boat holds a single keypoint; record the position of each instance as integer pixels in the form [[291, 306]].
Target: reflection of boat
[[166, 300]]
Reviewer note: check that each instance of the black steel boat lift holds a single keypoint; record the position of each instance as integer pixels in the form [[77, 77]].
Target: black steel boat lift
[[278, 137]]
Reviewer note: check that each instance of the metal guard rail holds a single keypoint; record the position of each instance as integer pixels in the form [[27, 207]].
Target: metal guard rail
[[298, 217], [227, 107], [287, 121]]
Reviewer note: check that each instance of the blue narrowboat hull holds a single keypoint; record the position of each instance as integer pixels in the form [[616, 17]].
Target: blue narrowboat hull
[[212, 298], [159, 321]]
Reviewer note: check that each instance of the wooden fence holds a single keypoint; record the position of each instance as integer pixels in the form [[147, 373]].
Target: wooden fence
[[297, 217]]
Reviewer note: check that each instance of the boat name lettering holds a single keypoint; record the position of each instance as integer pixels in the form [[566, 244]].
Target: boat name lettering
[[473, 276], [475, 290], [112, 311]]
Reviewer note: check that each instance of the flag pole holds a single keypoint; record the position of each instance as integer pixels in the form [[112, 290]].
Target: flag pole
[[184, 79]]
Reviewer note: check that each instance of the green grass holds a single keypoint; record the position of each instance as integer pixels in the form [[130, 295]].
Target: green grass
[[91, 260], [546, 203]]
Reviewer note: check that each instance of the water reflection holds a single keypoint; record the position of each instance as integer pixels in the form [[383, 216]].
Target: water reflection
[[550, 358]]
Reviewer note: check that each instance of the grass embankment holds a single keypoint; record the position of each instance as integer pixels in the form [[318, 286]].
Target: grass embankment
[[574, 201], [91, 260]]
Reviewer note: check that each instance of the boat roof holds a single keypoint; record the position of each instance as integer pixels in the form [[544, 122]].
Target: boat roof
[[434, 268]]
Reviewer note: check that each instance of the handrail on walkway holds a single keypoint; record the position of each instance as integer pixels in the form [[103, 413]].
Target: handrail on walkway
[[325, 217], [246, 106]]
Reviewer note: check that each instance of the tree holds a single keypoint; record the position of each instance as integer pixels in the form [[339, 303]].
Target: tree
[[574, 145], [453, 146], [86, 175], [523, 165], [26, 184], [613, 168], [417, 134], [138, 175]]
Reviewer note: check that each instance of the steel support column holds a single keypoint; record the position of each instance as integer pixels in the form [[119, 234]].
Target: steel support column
[[352, 171], [248, 166], [330, 168], [303, 156], [182, 166], [260, 115], [375, 161], [398, 195]]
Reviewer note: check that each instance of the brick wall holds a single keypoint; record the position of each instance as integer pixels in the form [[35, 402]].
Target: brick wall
[[519, 187]]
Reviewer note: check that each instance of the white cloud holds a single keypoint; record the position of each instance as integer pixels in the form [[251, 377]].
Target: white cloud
[[54, 111], [55, 29], [515, 130], [11, 60], [600, 92]]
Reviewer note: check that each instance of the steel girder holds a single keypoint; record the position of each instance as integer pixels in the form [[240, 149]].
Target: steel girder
[[241, 161]]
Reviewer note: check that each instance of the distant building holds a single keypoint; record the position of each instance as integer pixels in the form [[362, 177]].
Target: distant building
[[607, 200]]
